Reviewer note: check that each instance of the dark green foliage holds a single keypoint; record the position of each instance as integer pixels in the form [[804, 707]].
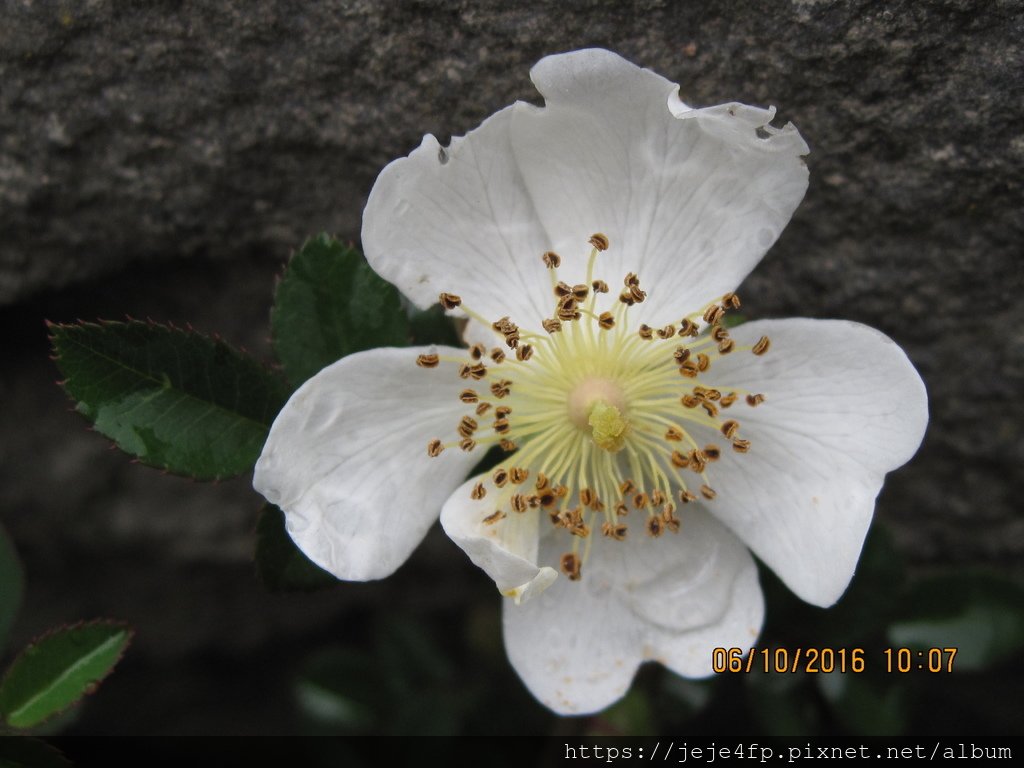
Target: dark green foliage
[[175, 399]]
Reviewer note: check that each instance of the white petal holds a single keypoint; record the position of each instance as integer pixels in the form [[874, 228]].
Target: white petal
[[459, 220], [671, 600], [843, 406], [346, 459], [690, 201], [505, 549]]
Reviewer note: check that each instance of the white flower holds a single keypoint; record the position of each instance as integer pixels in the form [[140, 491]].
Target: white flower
[[645, 455]]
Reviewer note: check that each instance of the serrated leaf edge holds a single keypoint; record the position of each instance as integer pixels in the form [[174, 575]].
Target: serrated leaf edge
[[129, 636], [239, 354]]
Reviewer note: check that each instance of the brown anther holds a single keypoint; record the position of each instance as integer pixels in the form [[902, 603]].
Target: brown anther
[[469, 424], [626, 297], [533, 501], [493, 518], [512, 339], [464, 432], [580, 292], [640, 500], [468, 396], [728, 400], [449, 300], [518, 475], [740, 446], [428, 361], [501, 388], [688, 328], [689, 369], [599, 286], [712, 452], [525, 352], [587, 497], [673, 434], [667, 332], [668, 517], [606, 320], [711, 408], [468, 444], [690, 401], [500, 477], [477, 351], [434, 448], [502, 411], [615, 531], [729, 428], [681, 355], [551, 324], [560, 491], [483, 408], [542, 481], [762, 346], [646, 332], [568, 312], [508, 446], [546, 497], [563, 289], [552, 260], [686, 496], [621, 510], [697, 462], [713, 395], [580, 529], [654, 526], [755, 400], [631, 280], [498, 355], [519, 503], [636, 294], [503, 325], [501, 426], [571, 566], [731, 301], [703, 362], [626, 487], [725, 347], [719, 333], [713, 313], [707, 492], [474, 371], [657, 498], [478, 491], [599, 241]]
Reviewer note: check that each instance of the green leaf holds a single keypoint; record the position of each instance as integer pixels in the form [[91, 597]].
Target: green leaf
[[26, 752], [55, 671], [631, 715], [280, 565], [175, 399], [338, 688], [980, 615], [433, 326], [12, 586], [865, 704], [330, 304]]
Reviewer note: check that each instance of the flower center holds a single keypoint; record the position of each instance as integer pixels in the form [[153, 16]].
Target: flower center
[[605, 415], [596, 406]]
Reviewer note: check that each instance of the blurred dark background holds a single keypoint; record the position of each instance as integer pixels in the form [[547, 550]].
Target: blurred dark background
[[162, 159]]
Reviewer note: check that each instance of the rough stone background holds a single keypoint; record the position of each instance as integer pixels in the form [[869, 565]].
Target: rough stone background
[[162, 159]]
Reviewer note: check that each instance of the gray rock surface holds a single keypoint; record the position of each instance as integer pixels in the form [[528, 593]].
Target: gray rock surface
[[163, 158]]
